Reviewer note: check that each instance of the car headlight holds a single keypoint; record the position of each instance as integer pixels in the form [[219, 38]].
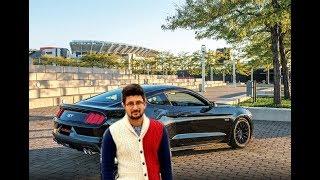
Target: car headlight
[[250, 114]]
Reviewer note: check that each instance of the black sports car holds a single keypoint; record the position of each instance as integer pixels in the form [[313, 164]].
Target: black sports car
[[190, 119]]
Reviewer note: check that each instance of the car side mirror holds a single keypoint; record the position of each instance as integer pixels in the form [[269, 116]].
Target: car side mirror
[[213, 104], [158, 113]]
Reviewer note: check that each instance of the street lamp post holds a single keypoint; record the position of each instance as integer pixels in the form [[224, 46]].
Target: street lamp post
[[203, 50], [162, 61], [223, 73], [129, 62], [251, 74]]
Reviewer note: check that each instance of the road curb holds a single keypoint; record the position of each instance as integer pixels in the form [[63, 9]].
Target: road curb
[[234, 100]]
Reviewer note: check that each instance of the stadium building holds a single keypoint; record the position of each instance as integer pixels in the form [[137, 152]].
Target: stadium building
[[81, 47]]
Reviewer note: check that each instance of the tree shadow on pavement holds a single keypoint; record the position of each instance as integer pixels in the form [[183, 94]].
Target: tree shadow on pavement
[[262, 130], [40, 130], [63, 163], [232, 95], [212, 148], [271, 129], [40, 118]]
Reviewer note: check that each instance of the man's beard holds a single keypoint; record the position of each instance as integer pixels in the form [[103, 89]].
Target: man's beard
[[140, 114]]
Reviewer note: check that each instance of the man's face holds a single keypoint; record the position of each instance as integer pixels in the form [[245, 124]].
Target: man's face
[[134, 106]]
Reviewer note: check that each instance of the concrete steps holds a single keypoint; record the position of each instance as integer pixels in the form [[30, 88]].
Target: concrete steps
[[52, 85]]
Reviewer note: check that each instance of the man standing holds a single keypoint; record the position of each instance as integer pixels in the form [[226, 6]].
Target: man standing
[[140, 144]]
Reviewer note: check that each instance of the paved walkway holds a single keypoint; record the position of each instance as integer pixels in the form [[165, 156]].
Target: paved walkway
[[268, 156], [225, 94]]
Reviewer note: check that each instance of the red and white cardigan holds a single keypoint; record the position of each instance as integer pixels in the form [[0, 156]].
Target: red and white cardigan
[[139, 157]]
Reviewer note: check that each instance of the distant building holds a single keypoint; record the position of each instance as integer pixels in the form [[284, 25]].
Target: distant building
[[34, 53], [51, 51], [82, 47], [55, 51]]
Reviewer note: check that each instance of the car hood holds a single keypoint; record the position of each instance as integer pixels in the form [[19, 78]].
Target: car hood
[[231, 110]]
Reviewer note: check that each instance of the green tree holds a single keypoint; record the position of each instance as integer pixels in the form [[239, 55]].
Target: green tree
[[236, 21], [169, 63], [242, 68], [259, 53], [285, 55], [50, 60], [104, 60]]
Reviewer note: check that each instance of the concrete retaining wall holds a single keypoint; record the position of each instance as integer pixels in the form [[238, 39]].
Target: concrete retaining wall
[[52, 85], [270, 114], [233, 101]]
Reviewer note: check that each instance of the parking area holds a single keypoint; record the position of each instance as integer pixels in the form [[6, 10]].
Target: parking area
[[268, 156]]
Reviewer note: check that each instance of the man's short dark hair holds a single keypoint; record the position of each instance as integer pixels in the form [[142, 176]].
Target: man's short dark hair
[[132, 90]]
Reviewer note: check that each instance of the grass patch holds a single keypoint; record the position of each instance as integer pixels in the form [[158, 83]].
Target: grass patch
[[266, 102]]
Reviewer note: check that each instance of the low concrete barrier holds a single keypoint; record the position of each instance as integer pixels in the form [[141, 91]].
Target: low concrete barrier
[[48, 83], [270, 114], [234, 100]]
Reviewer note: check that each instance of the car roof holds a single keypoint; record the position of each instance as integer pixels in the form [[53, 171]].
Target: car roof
[[151, 88], [154, 89]]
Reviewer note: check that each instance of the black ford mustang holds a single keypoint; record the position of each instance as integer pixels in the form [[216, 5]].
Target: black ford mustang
[[190, 119]]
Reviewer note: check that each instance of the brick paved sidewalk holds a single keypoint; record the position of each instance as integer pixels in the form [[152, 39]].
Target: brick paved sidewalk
[[268, 156]]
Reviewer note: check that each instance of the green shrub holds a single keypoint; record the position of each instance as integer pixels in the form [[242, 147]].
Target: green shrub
[[265, 102]]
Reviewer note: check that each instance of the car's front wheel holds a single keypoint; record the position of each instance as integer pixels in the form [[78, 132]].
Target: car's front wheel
[[240, 134]]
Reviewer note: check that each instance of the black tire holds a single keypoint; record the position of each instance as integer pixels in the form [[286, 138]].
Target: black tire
[[240, 134]]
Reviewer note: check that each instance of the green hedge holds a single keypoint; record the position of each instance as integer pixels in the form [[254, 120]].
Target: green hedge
[[265, 102]]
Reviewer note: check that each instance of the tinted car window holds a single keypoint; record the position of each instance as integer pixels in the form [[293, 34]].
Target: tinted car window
[[158, 99], [108, 97], [183, 99]]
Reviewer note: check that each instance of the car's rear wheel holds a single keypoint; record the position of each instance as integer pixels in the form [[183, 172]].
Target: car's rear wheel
[[240, 134]]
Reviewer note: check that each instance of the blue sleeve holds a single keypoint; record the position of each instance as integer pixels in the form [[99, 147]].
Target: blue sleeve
[[108, 153], [164, 156]]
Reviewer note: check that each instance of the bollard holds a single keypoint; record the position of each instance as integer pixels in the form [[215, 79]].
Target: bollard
[[250, 88]]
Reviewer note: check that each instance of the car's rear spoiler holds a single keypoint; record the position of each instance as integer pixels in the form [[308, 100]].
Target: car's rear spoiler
[[86, 108]]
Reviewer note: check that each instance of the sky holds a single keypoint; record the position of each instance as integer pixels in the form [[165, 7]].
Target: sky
[[134, 22]]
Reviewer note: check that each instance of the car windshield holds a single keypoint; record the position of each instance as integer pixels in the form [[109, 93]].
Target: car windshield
[[108, 97]]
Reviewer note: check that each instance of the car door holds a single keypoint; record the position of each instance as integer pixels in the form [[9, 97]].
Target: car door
[[158, 107], [192, 126]]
